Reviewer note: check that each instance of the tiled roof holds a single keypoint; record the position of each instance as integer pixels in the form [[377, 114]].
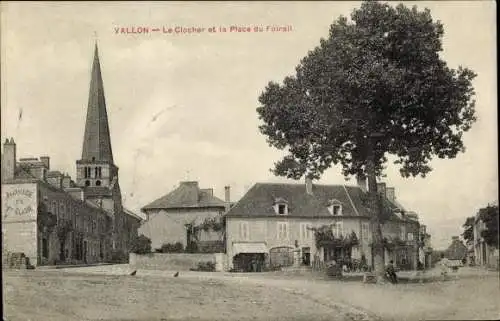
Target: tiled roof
[[187, 195], [259, 200]]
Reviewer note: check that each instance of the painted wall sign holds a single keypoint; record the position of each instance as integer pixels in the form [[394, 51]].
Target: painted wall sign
[[19, 202]]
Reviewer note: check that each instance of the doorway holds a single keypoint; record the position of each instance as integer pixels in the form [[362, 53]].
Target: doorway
[[84, 251], [306, 256]]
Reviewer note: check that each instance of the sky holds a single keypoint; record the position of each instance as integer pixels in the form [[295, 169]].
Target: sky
[[183, 106]]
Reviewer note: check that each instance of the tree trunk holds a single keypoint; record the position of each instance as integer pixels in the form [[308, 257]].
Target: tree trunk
[[378, 249]]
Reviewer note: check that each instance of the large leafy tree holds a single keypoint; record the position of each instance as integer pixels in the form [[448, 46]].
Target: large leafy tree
[[468, 233], [376, 86], [489, 215]]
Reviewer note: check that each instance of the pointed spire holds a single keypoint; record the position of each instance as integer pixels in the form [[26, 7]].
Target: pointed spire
[[97, 140]]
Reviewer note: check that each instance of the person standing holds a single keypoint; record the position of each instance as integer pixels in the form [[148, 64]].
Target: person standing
[[391, 272]]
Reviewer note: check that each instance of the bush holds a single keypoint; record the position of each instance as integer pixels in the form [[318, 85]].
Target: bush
[[141, 245], [208, 266], [171, 248], [210, 247], [192, 247], [118, 256]]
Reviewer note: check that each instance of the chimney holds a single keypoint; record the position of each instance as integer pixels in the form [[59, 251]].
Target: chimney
[[9, 160], [361, 180], [46, 161], [227, 197], [209, 191], [381, 189], [391, 193], [309, 186], [66, 181]]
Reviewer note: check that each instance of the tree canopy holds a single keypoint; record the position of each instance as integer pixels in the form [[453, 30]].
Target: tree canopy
[[377, 75], [468, 233], [489, 215]]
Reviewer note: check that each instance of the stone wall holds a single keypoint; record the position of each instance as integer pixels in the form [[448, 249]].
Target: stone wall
[[176, 261]]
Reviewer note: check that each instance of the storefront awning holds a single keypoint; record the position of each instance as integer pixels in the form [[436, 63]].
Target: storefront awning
[[249, 248]]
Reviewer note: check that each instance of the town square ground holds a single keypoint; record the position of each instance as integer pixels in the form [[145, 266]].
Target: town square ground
[[110, 293]]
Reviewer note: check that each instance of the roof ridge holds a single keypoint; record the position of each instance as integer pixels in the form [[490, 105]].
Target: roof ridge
[[300, 184]]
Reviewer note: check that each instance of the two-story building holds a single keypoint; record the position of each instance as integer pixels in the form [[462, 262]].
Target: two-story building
[[171, 218], [271, 223]]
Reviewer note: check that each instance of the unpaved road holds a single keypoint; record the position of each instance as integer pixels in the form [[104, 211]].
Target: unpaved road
[[259, 296], [54, 295]]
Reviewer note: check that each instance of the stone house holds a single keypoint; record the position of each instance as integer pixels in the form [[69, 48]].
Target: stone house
[[274, 224], [170, 217]]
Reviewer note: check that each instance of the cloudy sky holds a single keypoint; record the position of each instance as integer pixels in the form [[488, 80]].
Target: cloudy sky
[[203, 88]]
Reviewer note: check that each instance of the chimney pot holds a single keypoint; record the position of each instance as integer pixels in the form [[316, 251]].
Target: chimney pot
[[46, 161], [381, 189], [361, 180], [227, 197], [391, 193]]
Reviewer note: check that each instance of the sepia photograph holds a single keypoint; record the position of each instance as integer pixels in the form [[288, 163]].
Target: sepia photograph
[[240, 160]]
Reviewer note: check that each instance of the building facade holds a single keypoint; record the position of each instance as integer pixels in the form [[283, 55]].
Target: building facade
[[484, 254], [169, 218], [54, 219], [276, 224]]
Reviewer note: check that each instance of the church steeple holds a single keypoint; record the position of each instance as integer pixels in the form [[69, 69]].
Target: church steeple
[[97, 140]]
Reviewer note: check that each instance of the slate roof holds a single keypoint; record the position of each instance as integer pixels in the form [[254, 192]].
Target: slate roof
[[97, 191], [187, 195], [22, 172], [259, 200], [130, 213], [456, 251], [97, 139]]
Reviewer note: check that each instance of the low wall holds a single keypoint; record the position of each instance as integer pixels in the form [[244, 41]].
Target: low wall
[[176, 261]]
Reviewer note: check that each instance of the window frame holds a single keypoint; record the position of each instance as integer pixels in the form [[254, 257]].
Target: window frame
[[305, 231], [283, 232], [332, 205], [339, 229], [244, 231]]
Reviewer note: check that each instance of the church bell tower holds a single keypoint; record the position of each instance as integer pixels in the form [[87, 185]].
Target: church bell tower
[[97, 173]]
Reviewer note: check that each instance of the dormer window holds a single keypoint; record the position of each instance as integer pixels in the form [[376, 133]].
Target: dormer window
[[335, 207], [281, 206]]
